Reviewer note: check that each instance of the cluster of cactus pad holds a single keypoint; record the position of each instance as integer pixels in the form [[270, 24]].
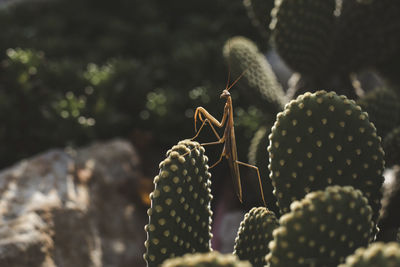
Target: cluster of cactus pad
[[326, 164], [321, 160]]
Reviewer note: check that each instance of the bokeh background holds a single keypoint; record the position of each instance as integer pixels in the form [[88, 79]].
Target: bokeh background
[[79, 71], [76, 71]]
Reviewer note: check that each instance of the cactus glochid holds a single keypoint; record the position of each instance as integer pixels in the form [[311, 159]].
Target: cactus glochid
[[180, 213]]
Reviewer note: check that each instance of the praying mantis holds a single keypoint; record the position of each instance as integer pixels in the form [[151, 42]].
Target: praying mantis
[[228, 138]]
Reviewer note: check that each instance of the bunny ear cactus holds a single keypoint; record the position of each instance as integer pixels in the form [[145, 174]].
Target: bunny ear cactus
[[323, 139], [354, 44], [210, 259], [383, 108], [367, 33], [244, 57], [255, 232], [389, 219], [391, 145], [259, 12], [377, 254], [302, 32], [322, 229], [180, 213], [258, 156]]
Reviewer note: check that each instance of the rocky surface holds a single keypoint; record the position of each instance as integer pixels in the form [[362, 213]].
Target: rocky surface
[[72, 209]]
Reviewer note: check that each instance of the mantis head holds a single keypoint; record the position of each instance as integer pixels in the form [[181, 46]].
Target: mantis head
[[225, 94]]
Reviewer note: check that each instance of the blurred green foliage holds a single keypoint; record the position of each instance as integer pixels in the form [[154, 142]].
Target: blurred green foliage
[[78, 70]]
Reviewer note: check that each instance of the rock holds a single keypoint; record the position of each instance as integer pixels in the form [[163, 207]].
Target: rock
[[72, 208]]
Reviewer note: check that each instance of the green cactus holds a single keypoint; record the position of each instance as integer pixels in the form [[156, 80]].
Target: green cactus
[[322, 229], [389, 219], [383, 108], [210, 259], [391, 146], [243, 55], [180, 214], [259, 12], [258, 156], [367, 33], [303, 33], [398, 235], [255, 232], [323, 139], [354, 44], [377, 254]]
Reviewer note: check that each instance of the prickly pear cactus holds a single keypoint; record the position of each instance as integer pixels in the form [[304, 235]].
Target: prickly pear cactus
[[398, 235], [323, 139], [258, 156], [180, 214], [355, 46], [383, 108], [368, 33], [322, 229], [377, 254], [259, 12], [210, 259], [391, 145], [243, 55], [255, 232], [303, 33]]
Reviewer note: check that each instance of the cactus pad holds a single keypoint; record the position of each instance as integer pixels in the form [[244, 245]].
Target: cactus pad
[[243, 55], [180, 214], [371, 29], [259, 12], [391, 146], [210, 259], [322, 229], [323, 139], [255, 232], [367, 33], [258, 156], [302, 32], [377, 254], [383, 108]]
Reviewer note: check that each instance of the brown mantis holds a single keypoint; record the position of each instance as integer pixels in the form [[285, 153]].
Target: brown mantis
[[228, 139]]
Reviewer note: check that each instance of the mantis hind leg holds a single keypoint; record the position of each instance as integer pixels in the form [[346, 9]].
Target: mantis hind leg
[[259, 178]]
